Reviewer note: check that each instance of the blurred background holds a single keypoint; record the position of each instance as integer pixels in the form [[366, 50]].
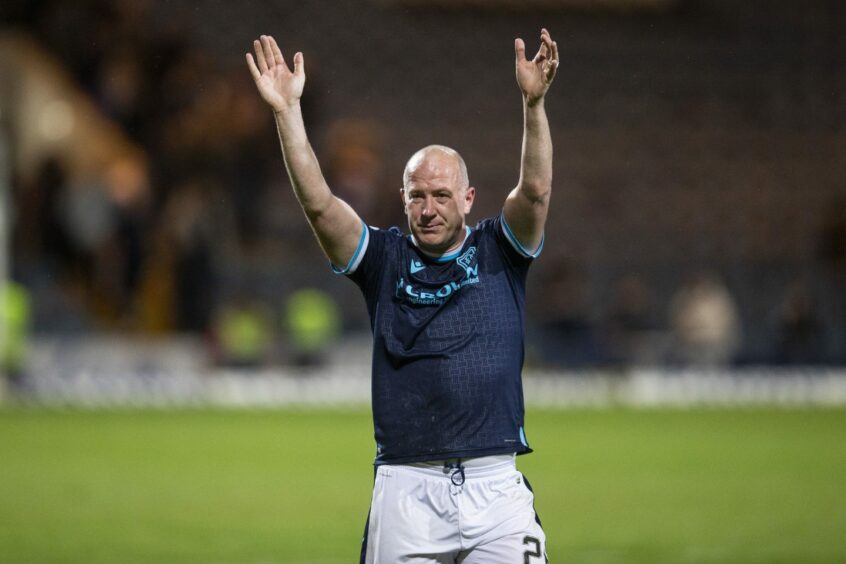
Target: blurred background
[[156, 267], [149, 228]]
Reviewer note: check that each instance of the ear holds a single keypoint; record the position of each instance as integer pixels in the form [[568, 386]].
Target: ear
[[469, 198], [404, 201]]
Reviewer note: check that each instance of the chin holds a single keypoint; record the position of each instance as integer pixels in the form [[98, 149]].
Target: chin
[[432, 241]]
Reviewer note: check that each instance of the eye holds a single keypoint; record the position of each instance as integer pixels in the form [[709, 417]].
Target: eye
[[442, 198]]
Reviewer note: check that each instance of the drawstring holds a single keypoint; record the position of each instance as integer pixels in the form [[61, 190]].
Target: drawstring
[[457, 475]]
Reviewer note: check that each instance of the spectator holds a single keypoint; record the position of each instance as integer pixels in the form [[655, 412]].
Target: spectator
[[832, 253], [799, 332], [243, 334], [566, 335], [313, 324], [191, 230], [14, 333], [630, 329], [355, 167], [704, 323]]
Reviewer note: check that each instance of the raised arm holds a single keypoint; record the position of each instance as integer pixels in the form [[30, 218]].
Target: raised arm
[[527, 205], [336, 224]]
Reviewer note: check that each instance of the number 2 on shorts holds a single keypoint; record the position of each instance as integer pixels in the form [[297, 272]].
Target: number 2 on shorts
[[528, 553]]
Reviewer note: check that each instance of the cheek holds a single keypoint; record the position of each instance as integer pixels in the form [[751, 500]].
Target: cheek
[[451, 209]]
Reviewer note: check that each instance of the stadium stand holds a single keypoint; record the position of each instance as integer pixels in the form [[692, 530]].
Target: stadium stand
[[691, 136]]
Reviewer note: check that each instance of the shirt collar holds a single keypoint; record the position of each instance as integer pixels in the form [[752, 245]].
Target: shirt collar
[[446, 256]]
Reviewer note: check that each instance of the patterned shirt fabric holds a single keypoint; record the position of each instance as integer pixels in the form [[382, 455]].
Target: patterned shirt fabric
[[447, 343]]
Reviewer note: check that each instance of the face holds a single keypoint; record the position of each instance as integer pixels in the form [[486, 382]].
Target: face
[[436, 202]]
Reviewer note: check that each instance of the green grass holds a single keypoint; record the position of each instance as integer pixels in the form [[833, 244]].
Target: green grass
[[613, 486]]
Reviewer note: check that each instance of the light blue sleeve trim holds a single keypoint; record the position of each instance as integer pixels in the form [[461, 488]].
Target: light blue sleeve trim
[[516, 244], [357, 255]]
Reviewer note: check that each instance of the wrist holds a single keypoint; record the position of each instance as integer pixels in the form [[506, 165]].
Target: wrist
[[287, 108], [533, 102]]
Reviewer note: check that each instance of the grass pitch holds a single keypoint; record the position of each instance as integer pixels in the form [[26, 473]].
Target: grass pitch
[[613, 486]]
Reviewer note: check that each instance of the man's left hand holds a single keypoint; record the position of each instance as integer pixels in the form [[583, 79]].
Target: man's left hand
[[534, 76]]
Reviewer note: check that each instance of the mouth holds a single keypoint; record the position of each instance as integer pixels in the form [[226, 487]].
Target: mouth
[[430, 228]]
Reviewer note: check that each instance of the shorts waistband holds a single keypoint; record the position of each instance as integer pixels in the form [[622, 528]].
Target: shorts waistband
[[473, 467]]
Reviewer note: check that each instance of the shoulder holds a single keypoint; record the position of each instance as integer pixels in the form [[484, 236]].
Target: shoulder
[[394, 232], [497, 228], [383, 239], [373, 245], [487, 225]]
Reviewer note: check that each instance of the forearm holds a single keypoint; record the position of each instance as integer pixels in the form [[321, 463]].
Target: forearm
[[536, 162], [526, 207], [303, 168], [335, 223]]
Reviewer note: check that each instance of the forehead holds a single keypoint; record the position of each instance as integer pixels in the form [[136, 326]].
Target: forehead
[[436, 168]]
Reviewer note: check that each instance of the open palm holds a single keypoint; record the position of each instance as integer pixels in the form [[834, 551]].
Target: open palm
[[535, 75], [277, 84]]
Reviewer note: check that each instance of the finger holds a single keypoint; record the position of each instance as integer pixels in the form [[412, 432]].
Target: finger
[[268, 51], [540, 56], [251, 64], [545, 50], [260, 62], [520, 50], [277, 53], [547, 41], [299, 63], [552, 64]]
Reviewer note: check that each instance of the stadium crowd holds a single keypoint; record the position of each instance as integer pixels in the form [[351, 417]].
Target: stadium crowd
[[680, 246]]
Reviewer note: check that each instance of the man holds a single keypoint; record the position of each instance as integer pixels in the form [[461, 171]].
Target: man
[[446, 310]]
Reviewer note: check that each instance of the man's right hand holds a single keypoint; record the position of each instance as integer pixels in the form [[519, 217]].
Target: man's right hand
[[277, 85]]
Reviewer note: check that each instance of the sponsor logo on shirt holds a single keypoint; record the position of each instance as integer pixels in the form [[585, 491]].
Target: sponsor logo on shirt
[[465, 261], [417, 295]]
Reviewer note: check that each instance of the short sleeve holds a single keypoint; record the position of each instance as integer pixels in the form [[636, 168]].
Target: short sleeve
[[515, 243], [360, 250], [372, 262]]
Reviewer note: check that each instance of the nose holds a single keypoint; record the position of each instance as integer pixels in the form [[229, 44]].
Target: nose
[[428, 210]]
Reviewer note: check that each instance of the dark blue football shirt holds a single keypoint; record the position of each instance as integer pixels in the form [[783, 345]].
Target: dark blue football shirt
[[447, 343]]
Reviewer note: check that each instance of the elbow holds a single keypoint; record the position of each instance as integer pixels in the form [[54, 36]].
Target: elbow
[[537, 192], [316, 208]]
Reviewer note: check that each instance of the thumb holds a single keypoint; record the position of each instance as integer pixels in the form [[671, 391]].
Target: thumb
[[520, 50], [299, 63]]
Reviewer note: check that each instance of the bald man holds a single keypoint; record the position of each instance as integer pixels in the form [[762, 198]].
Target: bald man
[[446, 311]]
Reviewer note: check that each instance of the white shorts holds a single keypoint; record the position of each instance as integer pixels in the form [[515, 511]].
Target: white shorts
[[433, 513]]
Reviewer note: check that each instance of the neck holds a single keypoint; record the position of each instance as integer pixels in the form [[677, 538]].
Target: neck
[[435, 253]]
